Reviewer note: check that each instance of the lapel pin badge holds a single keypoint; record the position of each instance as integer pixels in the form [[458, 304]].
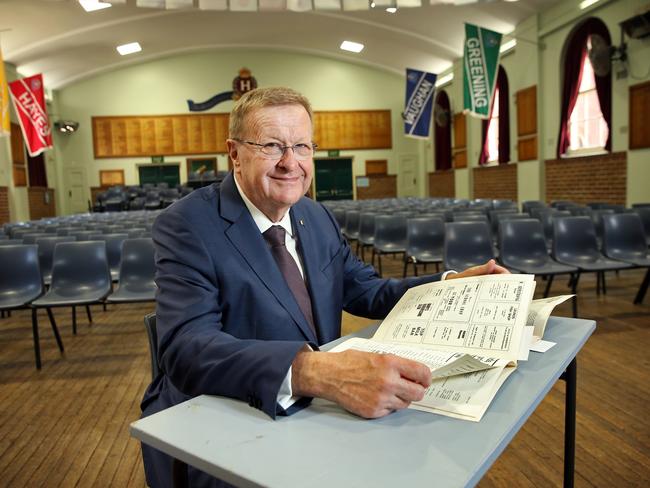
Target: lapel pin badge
[[301, 222]]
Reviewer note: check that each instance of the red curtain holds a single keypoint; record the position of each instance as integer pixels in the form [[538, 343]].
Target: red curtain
[[442, 133], [504, 122], [574, 57]]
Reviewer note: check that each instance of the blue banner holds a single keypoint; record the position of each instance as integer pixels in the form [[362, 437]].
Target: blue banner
[[208, 104], [420, 87]]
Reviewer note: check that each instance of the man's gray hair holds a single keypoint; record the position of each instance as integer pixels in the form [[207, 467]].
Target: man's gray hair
[[261, 98]]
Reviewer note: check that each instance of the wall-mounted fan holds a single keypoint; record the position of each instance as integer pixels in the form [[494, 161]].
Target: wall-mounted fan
[[441, 116], [601, 54]]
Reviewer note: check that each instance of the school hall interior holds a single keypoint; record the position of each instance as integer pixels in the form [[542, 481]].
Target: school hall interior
[[562, 157]]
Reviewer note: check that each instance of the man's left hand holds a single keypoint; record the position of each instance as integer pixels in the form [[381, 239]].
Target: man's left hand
[[491, 267]]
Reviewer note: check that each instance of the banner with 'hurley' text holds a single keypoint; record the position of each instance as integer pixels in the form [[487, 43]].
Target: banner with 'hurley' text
[[420, 87], [480, 64], [28, 96], [5, 122]]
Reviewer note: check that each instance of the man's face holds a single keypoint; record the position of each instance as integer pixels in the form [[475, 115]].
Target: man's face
[[273, 184]]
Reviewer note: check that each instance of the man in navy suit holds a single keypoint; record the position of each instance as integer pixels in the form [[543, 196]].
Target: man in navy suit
[[231, 322]]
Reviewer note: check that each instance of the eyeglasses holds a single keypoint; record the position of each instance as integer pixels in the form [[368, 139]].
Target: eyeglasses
[[301, 151]]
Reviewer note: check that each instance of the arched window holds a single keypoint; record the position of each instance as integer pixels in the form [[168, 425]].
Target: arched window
[[586, 110], [496, 129], [442, 131]]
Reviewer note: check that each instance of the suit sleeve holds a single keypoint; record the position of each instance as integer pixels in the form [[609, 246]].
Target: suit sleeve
[[194, 352]]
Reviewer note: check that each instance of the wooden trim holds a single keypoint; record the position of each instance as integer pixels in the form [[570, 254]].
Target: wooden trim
[[639, 100], [376, 167], [111, 177], [460, 158], [526, 100]]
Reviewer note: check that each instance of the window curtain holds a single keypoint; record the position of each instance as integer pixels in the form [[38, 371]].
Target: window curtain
[[504, 117], [574, 58], [442, 133]]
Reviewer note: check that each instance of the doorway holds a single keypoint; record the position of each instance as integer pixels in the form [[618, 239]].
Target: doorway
[[333, 179]]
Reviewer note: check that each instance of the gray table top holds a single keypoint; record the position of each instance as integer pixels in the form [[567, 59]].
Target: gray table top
[[325, 446]]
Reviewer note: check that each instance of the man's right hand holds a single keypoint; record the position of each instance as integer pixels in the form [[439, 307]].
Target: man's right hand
[[367, 384]]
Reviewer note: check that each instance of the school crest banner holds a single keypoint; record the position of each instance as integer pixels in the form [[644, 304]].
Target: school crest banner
[[28, 97], [420, 87], [480, 60], [5, 122]]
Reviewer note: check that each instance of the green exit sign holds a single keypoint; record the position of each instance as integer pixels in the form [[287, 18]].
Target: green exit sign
[[333, 153]]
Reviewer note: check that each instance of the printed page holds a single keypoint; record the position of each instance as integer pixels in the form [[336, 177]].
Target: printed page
[[481, 315], [539, 311], [441, 363]]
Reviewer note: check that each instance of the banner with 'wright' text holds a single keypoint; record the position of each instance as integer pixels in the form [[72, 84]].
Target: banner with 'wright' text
[[480, 64]]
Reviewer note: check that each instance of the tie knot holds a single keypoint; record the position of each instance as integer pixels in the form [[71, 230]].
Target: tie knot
[[275, 236]]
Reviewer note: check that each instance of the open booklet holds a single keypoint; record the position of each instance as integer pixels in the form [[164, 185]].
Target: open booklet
[[470, 332]]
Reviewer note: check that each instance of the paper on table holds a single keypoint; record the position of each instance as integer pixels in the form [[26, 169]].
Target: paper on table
[[526, 341], [542, 346], [539, 311]]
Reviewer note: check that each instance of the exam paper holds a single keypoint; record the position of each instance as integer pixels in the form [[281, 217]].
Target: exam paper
[[539, 311]]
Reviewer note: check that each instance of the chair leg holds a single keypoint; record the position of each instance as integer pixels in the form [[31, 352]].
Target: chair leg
[[643, 288], [363, 254], [54, 328], [437, 268], [574, 291], [548, 285], [415, 268], [37, 346], [406, 263], [104, 306], [90, 317], [379, 262], [602, 282], [74, 320]]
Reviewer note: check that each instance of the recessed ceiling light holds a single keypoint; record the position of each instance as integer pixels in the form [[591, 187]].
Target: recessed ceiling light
[[391, 10], [92, 5], [354, 47], [508, 46], [372, 5], [444, 80], [587, 3], [130, 48]]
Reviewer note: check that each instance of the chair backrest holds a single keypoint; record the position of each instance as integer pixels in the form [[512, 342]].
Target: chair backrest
[[367, 226], [339, 215], [470, 217], [467, 244], [425, 234], [30, 237], [522, 239], [80, 266], [644, 215], [138, 265], [498, 218], [20, 278], [575, 237], [46, 247], [114, 248], [390, 229], [623, 236], [152, 335], [352, 221]]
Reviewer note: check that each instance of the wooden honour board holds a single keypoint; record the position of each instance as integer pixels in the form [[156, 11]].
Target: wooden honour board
[[149, 135]]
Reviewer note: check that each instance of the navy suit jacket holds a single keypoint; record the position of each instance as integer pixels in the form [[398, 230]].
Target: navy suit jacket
[[227, 321]]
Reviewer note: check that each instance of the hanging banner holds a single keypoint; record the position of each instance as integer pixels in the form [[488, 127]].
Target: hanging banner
[[420, 87], [480, 61], [5, 123], [28, 96]]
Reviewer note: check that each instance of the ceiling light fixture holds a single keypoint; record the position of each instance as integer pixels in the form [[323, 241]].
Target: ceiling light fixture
[[353, 47], [391, 10], [587, 3], [508, 46], [130, 48], [372, 5], [444, 80], [92, 5]]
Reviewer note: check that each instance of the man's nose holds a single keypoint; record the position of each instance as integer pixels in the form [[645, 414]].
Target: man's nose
[[288, 159]]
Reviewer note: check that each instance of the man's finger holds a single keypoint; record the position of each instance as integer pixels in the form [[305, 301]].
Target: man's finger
[[414, 371]]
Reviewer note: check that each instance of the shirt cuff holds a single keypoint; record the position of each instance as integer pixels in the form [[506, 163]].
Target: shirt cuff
[[444, 275], [285, 397]]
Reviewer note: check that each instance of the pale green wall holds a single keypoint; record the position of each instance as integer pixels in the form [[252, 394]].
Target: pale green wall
[[163, 86]]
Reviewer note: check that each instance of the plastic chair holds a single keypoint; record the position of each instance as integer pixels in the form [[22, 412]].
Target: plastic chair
[[352, 221], [390, 237], [20, 284], [339, 215], [113, 250], [623, 239], [366, 231], [467, 244], [46, 247], [425, 241], [644, 215], [137, 271], [152, 335], [152, 201], [575, 244], [80, 276]]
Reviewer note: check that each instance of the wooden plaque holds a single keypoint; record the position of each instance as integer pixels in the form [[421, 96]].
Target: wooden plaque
[[111, 177]]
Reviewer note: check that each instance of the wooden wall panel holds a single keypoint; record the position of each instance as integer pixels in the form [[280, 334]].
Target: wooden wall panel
[[18, 156], [527, 123], [41, 202], [496, 182], [377, 167], [442, 183], [460, 141], [640, 115], [379, 186], [4, 205], [170, 135]]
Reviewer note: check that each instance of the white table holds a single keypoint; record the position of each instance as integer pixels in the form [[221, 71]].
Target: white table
[[325, 446]]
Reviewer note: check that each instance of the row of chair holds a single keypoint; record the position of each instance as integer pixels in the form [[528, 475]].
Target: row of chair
[[80, 277]]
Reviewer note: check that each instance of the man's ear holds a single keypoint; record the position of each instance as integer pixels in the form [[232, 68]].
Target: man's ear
[[233, 153]]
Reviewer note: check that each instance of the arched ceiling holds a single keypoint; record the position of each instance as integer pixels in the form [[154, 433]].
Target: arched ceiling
[[65, 43]]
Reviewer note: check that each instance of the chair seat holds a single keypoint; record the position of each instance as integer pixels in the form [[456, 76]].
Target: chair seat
[[389, 247], [427, 257], [17, 300], [600, 264], [82, 297], [540, 268], [123, 295]]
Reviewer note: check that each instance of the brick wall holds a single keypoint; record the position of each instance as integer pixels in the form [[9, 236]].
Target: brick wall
[[4, 205], [380, 186], [497, 182], [38, 207], [442, 184], [599, 178]]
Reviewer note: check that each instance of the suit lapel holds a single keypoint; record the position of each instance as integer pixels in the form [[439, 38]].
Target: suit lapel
[[246, 238]]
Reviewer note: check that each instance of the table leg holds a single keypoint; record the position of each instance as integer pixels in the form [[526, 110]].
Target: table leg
[[570, 376], [642, 289], [179, 474]]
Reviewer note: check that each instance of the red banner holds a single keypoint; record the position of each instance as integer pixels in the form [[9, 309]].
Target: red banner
[[29, 101]]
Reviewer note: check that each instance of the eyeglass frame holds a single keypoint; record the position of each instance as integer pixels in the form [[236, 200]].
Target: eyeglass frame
[[284, 148]]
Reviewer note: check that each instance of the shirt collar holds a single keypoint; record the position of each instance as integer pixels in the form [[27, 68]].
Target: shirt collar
[[262, 221]]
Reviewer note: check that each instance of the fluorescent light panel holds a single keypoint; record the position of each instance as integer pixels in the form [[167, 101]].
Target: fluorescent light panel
[[130, 48], [508, 45], [353, 47], [92, 5], [391, 10], [587, 3], [445, 79]]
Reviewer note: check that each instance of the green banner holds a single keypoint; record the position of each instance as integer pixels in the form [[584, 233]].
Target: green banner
[[480, 63]]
